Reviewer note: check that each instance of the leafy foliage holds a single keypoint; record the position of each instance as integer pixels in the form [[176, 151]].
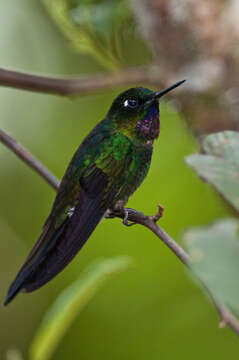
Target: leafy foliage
[[220, 164], [68, 305], [215, 250], [215, 255], [93, 26]]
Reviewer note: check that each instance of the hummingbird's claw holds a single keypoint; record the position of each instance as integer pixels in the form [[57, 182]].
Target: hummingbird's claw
[[112, 213], [125, 220]]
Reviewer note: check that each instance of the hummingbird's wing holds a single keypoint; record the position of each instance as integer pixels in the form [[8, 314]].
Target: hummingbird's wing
[[81, 202]]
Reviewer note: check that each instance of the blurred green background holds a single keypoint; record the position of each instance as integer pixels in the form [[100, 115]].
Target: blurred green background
[[153, 310]]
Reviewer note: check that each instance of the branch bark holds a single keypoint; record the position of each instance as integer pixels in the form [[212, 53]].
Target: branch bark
[[30, 160], [226, 316], [81, 85]]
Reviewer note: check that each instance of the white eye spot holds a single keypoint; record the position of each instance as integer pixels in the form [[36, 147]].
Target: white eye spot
[[132, 103]]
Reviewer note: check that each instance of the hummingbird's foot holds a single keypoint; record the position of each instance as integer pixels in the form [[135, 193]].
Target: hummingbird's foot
[[120, 210], [115, 211], [126, 215]]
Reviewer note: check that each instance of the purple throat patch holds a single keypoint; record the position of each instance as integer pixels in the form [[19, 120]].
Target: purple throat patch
[[149, 126]]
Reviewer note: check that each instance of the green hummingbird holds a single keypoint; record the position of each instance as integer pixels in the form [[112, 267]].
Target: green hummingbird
[[107, 168]]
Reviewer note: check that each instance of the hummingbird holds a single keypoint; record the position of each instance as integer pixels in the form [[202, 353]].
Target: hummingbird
[[109, 165]]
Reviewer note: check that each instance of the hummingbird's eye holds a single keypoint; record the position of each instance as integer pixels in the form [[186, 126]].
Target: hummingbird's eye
[[131, 103]]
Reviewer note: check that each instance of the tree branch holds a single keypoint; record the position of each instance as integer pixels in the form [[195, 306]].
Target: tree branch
[[30, 160], [227, 318], [81, 85]]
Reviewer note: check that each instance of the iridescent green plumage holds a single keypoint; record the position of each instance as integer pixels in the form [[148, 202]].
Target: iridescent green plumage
[[107, 168]]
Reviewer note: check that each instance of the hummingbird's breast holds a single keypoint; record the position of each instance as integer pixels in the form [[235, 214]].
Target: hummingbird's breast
[[135, 172]]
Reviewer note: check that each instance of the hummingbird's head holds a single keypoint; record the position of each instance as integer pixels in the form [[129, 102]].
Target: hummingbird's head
[[135, 112]]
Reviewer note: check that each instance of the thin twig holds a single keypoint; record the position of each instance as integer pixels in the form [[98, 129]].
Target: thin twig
[[150, 222], [227, 318], [81, 85], [30, 160]]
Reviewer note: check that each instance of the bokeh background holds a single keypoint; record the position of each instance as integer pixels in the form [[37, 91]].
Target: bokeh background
[[154, 310]]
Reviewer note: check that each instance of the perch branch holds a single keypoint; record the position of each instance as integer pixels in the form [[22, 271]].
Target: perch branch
[[227, 318]]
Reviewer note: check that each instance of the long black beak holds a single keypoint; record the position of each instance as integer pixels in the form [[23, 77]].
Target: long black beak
[[161, 93]]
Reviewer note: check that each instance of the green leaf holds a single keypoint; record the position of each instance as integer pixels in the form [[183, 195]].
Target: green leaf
[[90, 25], [100, 16], [220, 165], [69, 304], [215, 260]]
